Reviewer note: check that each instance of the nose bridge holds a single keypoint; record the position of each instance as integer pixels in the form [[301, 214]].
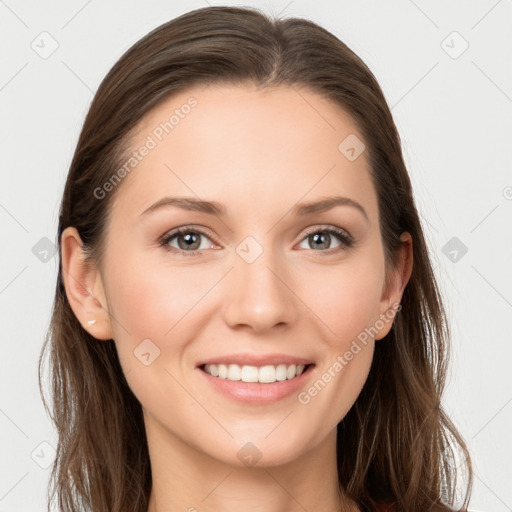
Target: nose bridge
[[260, 297]]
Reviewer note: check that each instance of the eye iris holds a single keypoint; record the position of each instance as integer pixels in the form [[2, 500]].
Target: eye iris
[[190, 240], [318, 238]]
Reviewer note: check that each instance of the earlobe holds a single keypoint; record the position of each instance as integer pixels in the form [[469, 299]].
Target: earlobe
[[84, 287], [392, 294]]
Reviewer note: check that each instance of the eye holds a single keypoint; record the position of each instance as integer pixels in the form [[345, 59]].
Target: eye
[[321, 239], [188, 240]]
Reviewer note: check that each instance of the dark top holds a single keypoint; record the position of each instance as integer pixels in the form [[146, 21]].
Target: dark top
[[383, 507]]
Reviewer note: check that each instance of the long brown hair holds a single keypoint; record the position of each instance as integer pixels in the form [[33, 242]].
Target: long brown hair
[[396, 444]]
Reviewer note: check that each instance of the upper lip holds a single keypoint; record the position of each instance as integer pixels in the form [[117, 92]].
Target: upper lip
[[256, 360]]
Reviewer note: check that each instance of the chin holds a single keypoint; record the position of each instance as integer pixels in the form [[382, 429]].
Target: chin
[[259, 450]]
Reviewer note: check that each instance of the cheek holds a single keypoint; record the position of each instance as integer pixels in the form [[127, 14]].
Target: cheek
[[156, 303], [149, 300], [346, 299], [346, 304]]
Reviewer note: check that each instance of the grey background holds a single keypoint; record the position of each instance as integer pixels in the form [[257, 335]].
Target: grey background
[[452, 106]]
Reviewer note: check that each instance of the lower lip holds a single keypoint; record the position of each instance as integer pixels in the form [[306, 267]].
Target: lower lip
[[256, 392]]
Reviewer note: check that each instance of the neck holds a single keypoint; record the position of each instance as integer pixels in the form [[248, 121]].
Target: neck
[[187, 479]]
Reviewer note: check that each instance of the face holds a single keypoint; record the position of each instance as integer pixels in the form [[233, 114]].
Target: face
[[259, 285]]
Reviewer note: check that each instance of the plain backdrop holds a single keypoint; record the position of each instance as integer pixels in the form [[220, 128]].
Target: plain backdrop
[[445, 69]]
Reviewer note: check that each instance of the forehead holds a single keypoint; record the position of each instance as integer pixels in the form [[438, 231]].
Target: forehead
[[232, 143]]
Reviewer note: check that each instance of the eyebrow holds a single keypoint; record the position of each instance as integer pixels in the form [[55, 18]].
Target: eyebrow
[[214, 208]]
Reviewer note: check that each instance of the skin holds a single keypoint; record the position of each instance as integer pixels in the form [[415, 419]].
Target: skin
[[258, 152]]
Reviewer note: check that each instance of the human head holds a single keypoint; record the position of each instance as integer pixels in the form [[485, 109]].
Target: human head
[[300, 56]]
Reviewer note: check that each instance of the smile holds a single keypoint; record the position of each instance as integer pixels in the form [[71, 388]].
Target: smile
[[263, 374], [251, 384]]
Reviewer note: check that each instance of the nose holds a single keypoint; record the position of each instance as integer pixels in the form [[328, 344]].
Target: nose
[[260, 296]]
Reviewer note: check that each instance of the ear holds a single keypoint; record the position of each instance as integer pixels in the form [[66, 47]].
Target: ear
[[84, 287], [394, 286]]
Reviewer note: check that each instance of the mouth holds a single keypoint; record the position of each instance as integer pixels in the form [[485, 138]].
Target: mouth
[[259, 383], [267, 374]]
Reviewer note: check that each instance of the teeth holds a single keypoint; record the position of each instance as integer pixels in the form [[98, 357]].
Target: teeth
[[249, 374], [263, 374], [281, 371], [223, 371], [234, 372]]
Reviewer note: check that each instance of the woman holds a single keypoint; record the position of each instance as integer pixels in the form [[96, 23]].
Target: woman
[[246, 314]]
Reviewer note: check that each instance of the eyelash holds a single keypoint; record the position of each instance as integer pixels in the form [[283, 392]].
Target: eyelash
[[346, 240]]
